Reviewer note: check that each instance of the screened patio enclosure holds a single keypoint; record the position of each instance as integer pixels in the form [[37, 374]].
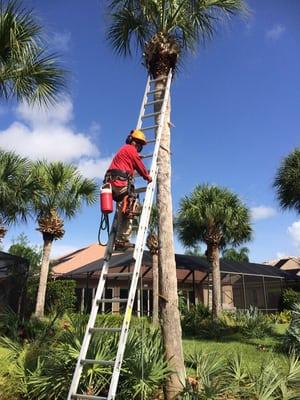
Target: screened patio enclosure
[[243, 284]]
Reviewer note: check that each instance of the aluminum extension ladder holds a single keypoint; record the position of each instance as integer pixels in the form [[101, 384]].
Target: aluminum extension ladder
[[158, 114]]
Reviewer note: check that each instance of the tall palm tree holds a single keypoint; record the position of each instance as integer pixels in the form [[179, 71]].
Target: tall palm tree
[[287, 181], [152, 244], [27, 71], [233, 254], [164, 30], [63, 192], [16, 189], [217, 217]]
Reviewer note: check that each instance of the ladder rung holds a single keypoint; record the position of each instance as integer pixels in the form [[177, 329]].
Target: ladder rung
[[148, 128], [118, 274], [159, 79], [99, 330], [115, 300], [147, 156], [150, 103], [98, 362], [140, 189], [87, 396], [156, 91], [151, 115]]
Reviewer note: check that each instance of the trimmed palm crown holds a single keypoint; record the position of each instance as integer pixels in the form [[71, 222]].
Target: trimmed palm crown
[[162, 29]]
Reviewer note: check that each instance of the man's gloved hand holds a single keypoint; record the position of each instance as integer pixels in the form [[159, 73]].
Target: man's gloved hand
[[149, 179]]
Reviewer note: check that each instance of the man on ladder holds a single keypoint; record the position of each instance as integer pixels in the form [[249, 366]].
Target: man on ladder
[[120, 176]]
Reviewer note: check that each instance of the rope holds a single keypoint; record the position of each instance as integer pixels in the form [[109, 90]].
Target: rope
[[104, 226]]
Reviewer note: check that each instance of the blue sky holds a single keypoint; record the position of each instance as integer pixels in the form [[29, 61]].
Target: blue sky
[[235, 107]]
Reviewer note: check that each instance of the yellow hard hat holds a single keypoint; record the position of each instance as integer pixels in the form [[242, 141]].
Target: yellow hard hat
[[138, 135]]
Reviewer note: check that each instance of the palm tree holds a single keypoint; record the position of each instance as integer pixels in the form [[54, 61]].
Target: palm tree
[[152, 244], [287, 181], [63, 191], [217, 217], [164, 30], [27, 71], [16, 189], [241, 254]]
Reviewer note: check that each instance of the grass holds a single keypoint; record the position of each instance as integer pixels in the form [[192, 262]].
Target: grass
[[256, 352], [3, 361]]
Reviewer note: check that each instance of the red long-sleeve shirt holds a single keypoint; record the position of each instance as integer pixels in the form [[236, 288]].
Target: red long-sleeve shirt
[[128, 159]]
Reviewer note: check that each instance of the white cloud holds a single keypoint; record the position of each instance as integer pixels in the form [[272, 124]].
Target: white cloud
[[47, 134], [60, 40], [294, 233], [275, 32], [94, 168], [262, 212]]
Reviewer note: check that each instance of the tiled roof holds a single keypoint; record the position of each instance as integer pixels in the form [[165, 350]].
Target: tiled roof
[[78, 258]]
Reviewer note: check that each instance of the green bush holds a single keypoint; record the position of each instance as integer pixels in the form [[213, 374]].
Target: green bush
[[291, 340], [193, 319], [252, 323], [60, 296], [283, 317], [214, 377], [43, 370], [289, 297]]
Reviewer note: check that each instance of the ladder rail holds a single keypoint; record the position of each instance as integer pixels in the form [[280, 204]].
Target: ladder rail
[[139, 249], [144, 101], [94, 312]]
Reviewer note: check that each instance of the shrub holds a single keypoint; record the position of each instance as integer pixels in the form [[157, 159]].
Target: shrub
[[291, 339], [216, 378], [289, 298], [252, 323], [283, 317], [193, 319], [60, 296]]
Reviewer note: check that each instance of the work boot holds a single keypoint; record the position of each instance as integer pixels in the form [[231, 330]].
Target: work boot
[[123, 245]]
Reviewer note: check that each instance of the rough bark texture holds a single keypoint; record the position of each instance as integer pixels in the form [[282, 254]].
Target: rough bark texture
[[170, 318], [41, 296], [155, 288], [216, 277]]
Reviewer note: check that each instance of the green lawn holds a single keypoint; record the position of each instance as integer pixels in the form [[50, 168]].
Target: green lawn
[[255, 352]]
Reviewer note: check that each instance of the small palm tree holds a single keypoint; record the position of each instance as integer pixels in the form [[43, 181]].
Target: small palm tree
[[27, 71], [165, 31], [62, 192], [241, 254], [16, 189], [152, 244], [217, 217], [287, 181]]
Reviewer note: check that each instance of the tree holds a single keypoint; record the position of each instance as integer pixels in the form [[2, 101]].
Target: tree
[[241, 254], [287, 181], [63, 191], [16, 189], [27, 71], [217, 217], [152, 244], [165, 31], [33, 254]]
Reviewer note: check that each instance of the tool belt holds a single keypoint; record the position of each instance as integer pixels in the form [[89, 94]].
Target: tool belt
[[120, 175], [117, 175]]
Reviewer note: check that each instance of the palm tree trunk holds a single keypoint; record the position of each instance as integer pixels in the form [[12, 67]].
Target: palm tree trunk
[[216, 278], [155, 288], [41, 296], [169, 312]]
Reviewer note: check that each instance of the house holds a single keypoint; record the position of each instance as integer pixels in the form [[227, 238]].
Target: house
[[288, 263], [13, 276], [243, 283]]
